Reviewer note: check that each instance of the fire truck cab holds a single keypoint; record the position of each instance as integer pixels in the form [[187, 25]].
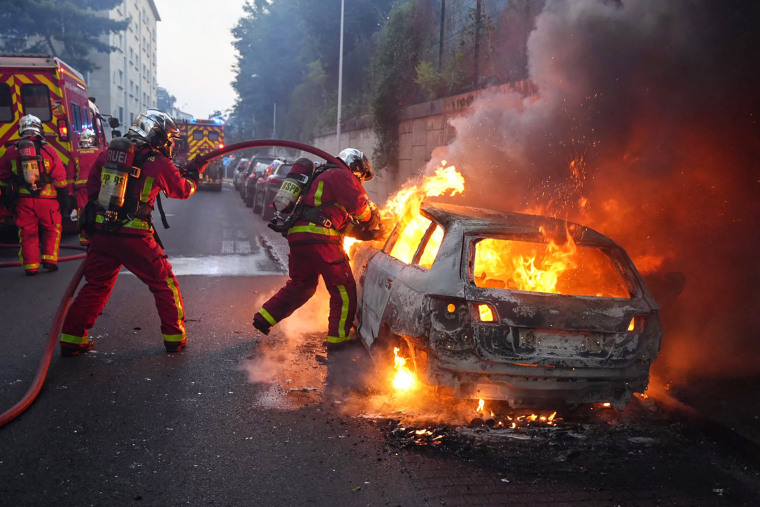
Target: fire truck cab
[[54, 92], [198, 138]]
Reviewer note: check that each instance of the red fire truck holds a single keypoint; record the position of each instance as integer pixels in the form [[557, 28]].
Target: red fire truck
[[198, 138], [55, 93]]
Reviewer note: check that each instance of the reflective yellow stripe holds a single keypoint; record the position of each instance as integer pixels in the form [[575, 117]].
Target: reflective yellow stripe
[[267, 316], [178, 304], [145, 195], [365, 214], [76, 340], [343, 311], [174, 337], [313, 229], [336, 339], [318, 195], [136, 223]]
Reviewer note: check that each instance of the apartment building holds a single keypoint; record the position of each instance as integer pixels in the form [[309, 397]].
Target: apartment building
[[125, 82]]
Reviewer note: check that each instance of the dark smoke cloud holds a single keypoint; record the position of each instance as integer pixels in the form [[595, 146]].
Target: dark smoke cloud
[[649, 110]]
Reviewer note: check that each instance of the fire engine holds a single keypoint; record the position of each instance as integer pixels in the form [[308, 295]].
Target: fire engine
[[198, 138], [57, 94]]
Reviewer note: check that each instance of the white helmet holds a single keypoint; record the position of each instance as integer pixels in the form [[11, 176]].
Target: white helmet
[[87, 138], [357, 162], [29, 125]]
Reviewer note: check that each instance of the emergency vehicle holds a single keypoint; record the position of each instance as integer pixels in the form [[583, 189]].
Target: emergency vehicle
[[57, 94], [198, 138]]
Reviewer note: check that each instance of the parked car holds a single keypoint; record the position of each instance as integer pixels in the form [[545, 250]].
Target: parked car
[[267, 185], [237, 172], [459, 292], [256, 168]]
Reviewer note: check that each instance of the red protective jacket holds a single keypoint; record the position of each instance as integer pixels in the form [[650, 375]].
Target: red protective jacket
[[338, 194], [10, 168], [80, 165], [157, 173]]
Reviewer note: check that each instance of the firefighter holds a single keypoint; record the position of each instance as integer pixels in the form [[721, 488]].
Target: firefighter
[[122, 187], [333, 199], [78, 171], [34, 187]]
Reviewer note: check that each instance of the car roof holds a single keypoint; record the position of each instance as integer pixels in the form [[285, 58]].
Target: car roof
[[481, 220]]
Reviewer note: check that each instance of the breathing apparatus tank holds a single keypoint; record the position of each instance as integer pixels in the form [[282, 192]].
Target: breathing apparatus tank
[[293, 185], [115, 175], [30, 162]]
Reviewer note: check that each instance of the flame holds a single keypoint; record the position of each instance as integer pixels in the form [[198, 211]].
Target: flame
[[481, 404], [404, 207], [403, 380]]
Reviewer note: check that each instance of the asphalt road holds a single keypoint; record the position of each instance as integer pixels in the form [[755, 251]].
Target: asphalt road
[[242, 419]]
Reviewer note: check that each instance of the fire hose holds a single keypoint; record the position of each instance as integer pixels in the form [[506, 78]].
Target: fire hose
[[259, 143], [42, 369], [60, 259]]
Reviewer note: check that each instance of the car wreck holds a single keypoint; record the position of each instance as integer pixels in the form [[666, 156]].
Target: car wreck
[[530, 310]]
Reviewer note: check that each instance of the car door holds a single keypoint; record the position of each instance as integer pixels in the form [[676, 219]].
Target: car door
[[387, 270]]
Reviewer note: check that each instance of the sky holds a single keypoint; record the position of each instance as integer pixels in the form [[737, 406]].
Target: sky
[[195, 53]]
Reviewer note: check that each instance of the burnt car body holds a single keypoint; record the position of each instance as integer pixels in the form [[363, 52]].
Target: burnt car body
[[480, 338]]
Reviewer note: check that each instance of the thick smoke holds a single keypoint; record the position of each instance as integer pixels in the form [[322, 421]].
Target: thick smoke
[[645, 127]]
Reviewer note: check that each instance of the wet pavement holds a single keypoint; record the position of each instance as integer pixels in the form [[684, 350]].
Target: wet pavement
[[242, 419]]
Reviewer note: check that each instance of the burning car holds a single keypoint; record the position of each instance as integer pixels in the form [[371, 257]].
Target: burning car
[[526, 309]]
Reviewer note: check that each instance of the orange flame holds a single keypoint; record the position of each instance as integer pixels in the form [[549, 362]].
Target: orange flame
[[404, 207], [403, 380]]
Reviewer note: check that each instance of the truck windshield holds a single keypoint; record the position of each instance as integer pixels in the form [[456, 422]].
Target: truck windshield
[[35, 99], [6, 104]]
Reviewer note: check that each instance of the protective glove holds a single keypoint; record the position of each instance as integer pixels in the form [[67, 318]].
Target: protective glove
[[191, 173], [196, 165], [8, 199], [64, 201]]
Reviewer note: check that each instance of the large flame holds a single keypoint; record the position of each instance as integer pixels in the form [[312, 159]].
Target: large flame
[[403, 380], [404, 207], [534, 271]]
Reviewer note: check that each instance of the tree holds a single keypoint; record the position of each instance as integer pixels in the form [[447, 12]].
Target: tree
[[408, 30], [44, 26]]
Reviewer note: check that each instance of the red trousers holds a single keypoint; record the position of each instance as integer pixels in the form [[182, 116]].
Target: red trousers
[[307, 263], [143, 257], [39, 223]]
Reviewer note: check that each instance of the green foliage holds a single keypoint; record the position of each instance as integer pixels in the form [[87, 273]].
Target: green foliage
[[428, 79], [406, 32], [292, 47], [42, 25]]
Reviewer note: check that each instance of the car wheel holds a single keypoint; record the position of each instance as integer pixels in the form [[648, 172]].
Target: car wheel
[[255, 204], [248, 200], [267, 213], [385, 359]]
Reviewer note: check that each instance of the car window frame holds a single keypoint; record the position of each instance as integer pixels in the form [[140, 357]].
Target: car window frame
[[391, 242], [616, 255]]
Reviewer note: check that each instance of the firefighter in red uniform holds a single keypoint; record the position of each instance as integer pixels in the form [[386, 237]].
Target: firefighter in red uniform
[[79, 169], [333, 199], [122, 188], [33, 182]]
